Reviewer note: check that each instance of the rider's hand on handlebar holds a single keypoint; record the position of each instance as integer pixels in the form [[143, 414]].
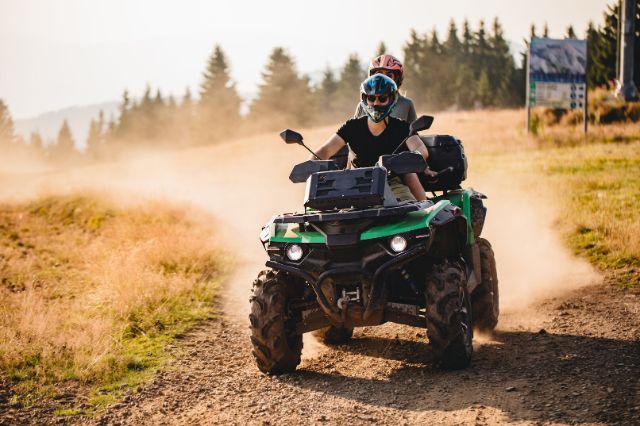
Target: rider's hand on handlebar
[[430, 173]]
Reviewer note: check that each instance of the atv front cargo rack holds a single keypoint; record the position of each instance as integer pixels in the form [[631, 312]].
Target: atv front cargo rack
[[348, 214]]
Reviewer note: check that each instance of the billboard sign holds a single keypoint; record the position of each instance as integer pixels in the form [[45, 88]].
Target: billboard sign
[[557, 73]]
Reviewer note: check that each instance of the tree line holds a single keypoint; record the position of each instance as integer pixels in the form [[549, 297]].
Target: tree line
[[469, 68]]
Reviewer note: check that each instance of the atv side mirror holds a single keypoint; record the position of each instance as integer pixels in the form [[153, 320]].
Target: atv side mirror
[[302, 171], [421, 123], [290, 136]]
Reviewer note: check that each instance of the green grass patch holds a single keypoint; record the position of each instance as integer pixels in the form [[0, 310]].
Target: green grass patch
[[92, 293]]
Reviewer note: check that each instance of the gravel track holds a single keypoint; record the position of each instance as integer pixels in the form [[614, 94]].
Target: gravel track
[[559, 356], [580, 365]]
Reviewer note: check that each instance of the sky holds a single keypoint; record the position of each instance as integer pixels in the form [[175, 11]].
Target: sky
[[62, 53]]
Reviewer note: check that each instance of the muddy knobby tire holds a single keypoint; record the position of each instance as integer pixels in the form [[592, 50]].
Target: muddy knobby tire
[[448, 315], [276, 348], [485, 299], [333, 335]]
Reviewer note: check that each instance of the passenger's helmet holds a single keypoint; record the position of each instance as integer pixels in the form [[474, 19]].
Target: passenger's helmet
[[387, 63], [378, 85]]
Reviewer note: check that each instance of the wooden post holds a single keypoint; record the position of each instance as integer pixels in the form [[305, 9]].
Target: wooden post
[[528, 90], [586, 90]]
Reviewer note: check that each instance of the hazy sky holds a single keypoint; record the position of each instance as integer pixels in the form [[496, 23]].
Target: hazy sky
[[55, 54]]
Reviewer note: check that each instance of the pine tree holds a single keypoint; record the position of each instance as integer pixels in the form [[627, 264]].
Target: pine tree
[[7, 130], [123, 127], [434, 70], [545, 32], [95, 138], [351, 76], [284, 98], [381, 49], [452, 44], [65, 145], [483, 89], [413, 81], [501, 68], [570, 32], [326, 97], [36, 144], [603, 48], [35, 141], [218, 112]]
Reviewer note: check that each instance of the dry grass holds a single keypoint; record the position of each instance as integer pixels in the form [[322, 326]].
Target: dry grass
[[594, 179], [90, 292], [600, 186]]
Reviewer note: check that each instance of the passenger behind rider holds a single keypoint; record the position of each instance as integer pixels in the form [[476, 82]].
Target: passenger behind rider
[[390, 66], [378, 133]]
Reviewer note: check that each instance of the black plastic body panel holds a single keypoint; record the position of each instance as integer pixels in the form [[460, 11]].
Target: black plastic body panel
[[358, 188], [444, 151]]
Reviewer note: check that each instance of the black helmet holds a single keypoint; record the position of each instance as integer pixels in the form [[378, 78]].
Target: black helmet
[[378, 85]]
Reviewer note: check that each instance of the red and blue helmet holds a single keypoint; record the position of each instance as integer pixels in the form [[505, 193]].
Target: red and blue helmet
[[378, 85]]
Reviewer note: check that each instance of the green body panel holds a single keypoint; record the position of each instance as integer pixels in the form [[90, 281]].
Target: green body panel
[[411, 222], [290, 232], [462, 199]]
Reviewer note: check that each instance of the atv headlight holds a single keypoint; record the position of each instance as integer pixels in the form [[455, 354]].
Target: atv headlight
[[294, 252], [398, 243]]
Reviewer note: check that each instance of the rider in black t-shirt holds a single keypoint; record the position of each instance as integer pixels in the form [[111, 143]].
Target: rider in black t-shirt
[[379, 134]]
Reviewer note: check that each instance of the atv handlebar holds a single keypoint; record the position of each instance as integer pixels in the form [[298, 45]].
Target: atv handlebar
[[440, 173]]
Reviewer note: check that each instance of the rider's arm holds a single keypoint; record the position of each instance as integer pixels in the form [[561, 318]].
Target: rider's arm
[[330, 147], [414, 143], [412, 181]]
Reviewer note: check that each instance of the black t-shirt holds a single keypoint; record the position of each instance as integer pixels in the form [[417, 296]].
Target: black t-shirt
[[368, 148]]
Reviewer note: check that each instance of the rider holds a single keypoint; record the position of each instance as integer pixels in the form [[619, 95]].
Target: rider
[[378, 133], [390, 66]]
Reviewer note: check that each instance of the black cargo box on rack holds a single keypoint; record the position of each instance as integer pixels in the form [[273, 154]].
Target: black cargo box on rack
[[444, 151], [359, 188]]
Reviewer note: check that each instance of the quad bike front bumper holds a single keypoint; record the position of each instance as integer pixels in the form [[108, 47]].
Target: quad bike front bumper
[[372, 309]]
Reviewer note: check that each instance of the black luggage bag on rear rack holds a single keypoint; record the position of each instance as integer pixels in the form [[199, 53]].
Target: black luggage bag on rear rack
[[444, 151]]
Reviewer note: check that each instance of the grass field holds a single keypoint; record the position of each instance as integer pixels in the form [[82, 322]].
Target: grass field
[[90, 293], [599, 188]]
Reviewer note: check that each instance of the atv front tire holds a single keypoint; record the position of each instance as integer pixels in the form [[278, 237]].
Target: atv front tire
[[333, 335], [485, 299], [448, 315], [276, 348]]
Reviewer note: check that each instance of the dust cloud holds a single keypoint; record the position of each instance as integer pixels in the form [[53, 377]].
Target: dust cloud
[[532, 261], [242, 183]]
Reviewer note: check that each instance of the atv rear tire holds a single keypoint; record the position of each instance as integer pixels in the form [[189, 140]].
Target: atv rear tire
[[276, 348], [333, 335], [485, 299], [448, 315]]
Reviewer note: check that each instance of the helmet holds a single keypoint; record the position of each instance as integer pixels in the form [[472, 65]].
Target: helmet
[[378, 84], [387, 63]]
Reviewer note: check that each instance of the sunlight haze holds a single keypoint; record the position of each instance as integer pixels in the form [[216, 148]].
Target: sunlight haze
[[59, 54]]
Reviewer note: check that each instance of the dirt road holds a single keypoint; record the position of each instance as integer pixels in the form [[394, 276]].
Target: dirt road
[[566, 350]]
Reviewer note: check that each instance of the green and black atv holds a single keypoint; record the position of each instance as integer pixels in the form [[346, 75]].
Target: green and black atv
[[358, 257]]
